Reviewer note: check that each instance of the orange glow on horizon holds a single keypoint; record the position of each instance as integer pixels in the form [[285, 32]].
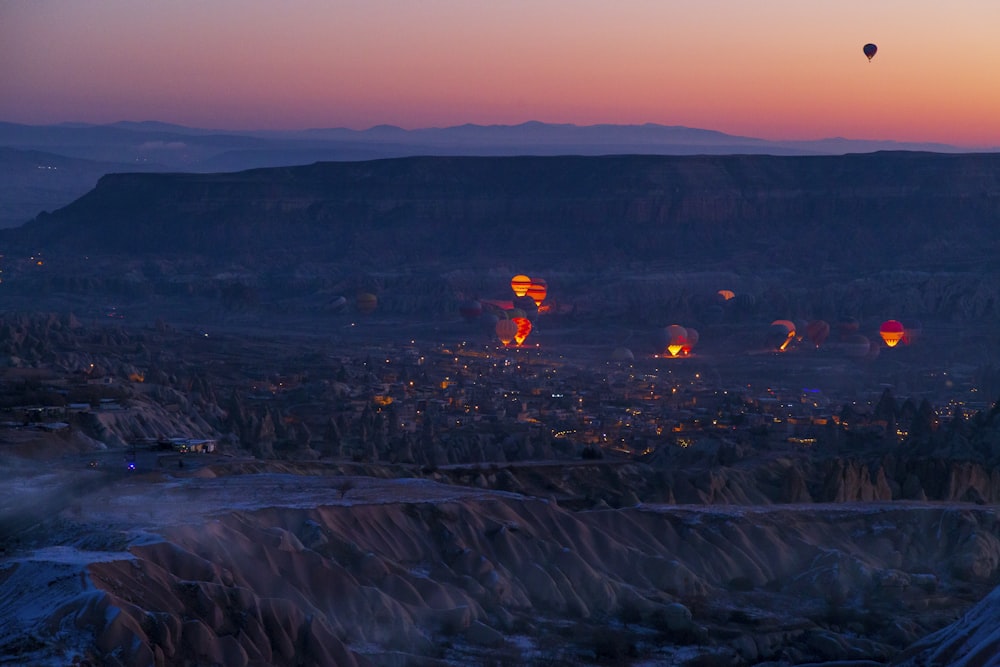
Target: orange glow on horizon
[[774, 69]]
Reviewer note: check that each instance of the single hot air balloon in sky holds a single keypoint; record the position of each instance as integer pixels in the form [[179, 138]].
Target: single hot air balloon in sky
[[520, 284], [870, 50], [892, 332], [726, 294]]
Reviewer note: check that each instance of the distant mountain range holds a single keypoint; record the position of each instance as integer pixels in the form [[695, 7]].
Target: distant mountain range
[[44, 167]]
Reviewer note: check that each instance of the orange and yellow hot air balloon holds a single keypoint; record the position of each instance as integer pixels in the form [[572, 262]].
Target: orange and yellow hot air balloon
[[537, 291], [520, 284]]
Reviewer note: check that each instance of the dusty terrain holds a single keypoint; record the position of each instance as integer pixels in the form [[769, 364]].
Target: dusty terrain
[[243, 562], [276, 550]]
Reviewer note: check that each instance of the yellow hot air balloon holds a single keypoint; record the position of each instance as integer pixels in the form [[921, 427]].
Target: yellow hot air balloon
[[520, 284]]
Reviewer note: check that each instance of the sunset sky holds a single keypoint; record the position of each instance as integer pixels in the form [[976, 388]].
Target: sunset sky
[[776, 69]]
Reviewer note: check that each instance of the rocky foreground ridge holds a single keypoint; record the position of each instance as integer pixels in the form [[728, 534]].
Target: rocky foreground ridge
[[305, 570]]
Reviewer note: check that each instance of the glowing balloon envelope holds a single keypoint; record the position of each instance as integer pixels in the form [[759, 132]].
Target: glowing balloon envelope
[[506, 330], [537, 291], [781, 333], [870, 51], [726, 294], [677, 337], [523, 329], [520, 284], [892, 332]]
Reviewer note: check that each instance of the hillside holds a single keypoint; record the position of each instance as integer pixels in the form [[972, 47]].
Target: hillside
[[853, 212]]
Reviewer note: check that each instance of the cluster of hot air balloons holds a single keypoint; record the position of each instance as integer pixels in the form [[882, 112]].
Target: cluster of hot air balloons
[[510, 319], [524, 287], [515, 329], [783, 333], [535, 289], [678, 340]]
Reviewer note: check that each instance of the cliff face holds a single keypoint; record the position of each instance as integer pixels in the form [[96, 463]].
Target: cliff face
[[893, 209], [412, 572]]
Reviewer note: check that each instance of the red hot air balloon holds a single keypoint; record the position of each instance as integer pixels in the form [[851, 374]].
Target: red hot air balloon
[[520, 284], [892, 332], [817, 331], [870, 51], [470, 310], [523, 329]]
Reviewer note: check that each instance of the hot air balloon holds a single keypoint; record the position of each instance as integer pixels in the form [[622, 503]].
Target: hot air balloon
[[781, 334], [523, 329], [622, 354], [912, 330], [470, 310], [691, 339], [525, 303], [847, 326], [366, 302], [520, 284], [870, 50], [537, 291], [338, 304], [726, 294], [817, 331], [506, 330], [677, 338], [892, 332], [856, 346]]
